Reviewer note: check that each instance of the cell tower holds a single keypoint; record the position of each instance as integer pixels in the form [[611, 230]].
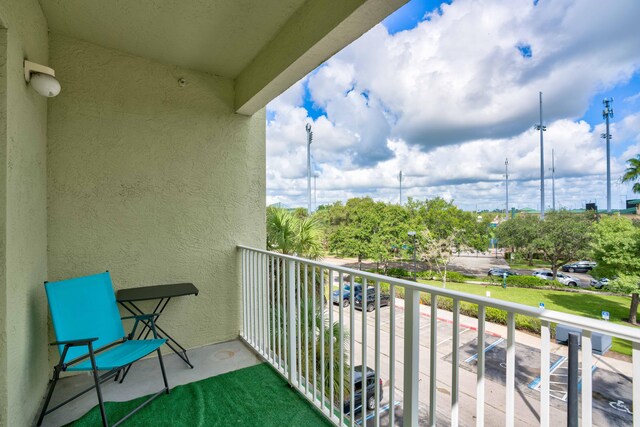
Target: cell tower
[[607, 113]]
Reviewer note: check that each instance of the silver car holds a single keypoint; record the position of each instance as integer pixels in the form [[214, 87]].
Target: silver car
[[565, 279]]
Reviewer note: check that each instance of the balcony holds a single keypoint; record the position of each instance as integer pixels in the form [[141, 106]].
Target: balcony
[[434, 366], [470, 371]]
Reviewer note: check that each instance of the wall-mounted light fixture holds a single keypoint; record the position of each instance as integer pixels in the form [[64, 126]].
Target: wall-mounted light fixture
[[42, 79]]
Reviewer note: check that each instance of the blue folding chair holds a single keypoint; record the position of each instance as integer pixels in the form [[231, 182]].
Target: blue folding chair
[[90, 336]]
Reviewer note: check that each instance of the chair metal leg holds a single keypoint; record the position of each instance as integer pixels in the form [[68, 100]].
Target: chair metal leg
[[164, 374], [52, 386], [96, 378]]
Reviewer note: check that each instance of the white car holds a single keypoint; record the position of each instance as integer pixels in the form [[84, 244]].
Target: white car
[[565, 279]]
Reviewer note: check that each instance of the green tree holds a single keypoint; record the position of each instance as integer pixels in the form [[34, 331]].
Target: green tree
[[632, 173], [616, 249], [438, 251], [357, 235], [520, 234], [563, 237]]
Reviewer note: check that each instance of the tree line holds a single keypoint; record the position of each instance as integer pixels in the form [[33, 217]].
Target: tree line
[[378, 231]]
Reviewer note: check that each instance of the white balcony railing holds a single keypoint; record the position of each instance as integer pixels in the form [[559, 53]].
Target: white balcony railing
[[291, 321]]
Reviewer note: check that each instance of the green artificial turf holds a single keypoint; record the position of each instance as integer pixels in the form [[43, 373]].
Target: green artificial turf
[[582, 304], [254, 396]]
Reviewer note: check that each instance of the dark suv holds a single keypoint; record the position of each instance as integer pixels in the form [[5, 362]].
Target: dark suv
[[371, 390], [346, 294], [371, 300]]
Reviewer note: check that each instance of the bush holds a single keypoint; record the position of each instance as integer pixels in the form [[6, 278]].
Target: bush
[[493, 315], [533, 282], [400, 273], [453, 276], [426, 274], [527, 282]]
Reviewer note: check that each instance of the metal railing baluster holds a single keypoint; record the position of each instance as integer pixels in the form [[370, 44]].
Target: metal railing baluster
[[511, 370], [455, 364], [433, 360], [480, 368], [545, 384]]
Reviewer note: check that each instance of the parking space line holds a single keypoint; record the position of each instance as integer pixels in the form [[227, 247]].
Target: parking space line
[[382, 411], [451, 337], [536, 382], [489, 347]]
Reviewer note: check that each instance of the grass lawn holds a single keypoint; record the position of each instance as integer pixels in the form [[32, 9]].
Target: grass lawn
[[582, 304]]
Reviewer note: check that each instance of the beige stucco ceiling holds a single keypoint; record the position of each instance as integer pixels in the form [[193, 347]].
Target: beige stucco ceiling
[[264, 45], [216, 36]]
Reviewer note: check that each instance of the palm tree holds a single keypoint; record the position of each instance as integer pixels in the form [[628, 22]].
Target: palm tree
[[633, 173], [281, 231], [290, 234]]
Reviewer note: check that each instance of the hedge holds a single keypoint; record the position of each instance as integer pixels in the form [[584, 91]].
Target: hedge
[[493, 315], [527, 282]]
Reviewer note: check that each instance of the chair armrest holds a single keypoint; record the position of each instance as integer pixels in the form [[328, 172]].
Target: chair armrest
[[141, 316], [75, 343]]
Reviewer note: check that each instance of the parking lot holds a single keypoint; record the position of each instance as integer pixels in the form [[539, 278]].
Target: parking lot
[[612, 390]]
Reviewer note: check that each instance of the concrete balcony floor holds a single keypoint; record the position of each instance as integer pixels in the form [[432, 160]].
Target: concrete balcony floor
[[145, 378]]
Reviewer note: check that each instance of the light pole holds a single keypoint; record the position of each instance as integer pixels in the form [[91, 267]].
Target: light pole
[[400, 178], [553, 181], [506, 187], [607, 113], [541, 128], [315, 193], [413, 235], [309, 139]]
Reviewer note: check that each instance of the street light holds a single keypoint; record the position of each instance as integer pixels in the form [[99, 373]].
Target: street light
[[607, 113], [540, 127], [309, 140], [315, 199], [413, 235]]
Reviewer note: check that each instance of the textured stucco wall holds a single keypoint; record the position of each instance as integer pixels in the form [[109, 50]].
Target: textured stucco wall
[[154, 181], [24, 219], [3, 229]]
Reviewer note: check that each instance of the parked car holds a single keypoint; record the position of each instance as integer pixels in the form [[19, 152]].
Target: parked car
[[579, 267], [385, 300], [565, 279], [370, 393], [345, 300], [500, 272], [599, 283]]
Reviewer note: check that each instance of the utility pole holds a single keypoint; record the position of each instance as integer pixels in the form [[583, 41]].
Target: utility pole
[[607, 113], [400, 178], [541, 128], [553, 181], [309, 139], [506, 187]]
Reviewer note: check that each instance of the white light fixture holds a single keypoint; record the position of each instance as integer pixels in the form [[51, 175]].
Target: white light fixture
[[42, 79]]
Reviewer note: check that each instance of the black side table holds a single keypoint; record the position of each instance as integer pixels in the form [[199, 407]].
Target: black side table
[[128, 297]]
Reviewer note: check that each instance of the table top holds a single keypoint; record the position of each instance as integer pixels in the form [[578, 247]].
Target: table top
[[144, 293]]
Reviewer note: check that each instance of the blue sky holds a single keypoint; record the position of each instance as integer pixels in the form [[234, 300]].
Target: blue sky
[[446, 91]]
